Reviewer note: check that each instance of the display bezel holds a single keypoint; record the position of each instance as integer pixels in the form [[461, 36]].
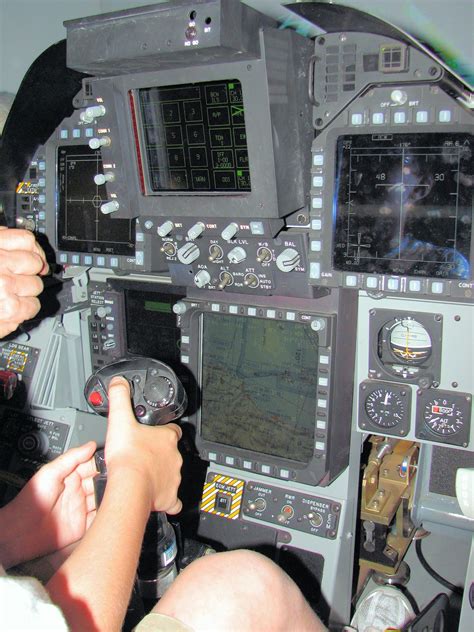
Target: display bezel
[[309, 472]]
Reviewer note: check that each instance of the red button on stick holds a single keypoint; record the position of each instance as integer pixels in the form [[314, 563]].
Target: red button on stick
[[95, 399]]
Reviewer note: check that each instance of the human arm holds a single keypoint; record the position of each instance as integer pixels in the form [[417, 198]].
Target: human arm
[[22, 260], [93, 586], [52, 511]]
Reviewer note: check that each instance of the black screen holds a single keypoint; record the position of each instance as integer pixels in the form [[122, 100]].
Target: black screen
[[82, 227], [259, 385], [151, 326], [195, 137], [403, 204]]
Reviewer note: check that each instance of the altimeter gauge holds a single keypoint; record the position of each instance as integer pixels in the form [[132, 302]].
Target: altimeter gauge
[[384, 407]]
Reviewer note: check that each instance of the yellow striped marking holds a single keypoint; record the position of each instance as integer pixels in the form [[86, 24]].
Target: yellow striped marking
[[228, 486]]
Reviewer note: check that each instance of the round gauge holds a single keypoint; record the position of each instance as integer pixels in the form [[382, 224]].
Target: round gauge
[[443, 417], [409, 341], [385, 408]]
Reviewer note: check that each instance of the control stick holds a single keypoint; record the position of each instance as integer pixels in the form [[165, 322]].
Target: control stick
[[158, 397]]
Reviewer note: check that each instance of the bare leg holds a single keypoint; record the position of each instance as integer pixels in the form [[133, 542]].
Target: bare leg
[[238, 591]]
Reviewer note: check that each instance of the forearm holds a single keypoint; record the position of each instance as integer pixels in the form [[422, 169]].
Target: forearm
[[93, 586], [19, 540]]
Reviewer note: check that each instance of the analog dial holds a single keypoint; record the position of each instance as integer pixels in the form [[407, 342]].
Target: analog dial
[[443, 417], [385, 408], [410, 342]]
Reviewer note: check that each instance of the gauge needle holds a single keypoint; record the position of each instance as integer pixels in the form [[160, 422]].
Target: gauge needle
[[406, 343], [387, 397]]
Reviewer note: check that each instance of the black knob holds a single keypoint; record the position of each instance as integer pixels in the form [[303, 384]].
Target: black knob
[[158, 392], [34, 443]]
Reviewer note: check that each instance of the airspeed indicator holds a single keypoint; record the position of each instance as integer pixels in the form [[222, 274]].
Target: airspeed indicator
[[384, 407]]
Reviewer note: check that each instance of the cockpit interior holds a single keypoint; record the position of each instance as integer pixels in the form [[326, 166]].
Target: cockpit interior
[[197, 172]]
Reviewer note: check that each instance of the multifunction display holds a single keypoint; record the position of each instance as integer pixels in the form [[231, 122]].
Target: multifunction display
[[194, 137], [403, 204], [259, 385], [82, 227]]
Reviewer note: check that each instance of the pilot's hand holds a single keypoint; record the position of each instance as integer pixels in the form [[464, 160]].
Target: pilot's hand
[[55, 507], [150, 450], [22, 260]]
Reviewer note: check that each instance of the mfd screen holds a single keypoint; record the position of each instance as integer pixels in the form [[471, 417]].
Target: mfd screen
[[403, 204], [259, 385], [82, 227], [194, 137]]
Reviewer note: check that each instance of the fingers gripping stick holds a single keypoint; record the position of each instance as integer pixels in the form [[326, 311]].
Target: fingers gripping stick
[[158, 397]]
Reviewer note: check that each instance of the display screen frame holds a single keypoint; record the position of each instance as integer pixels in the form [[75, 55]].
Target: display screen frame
[[394, 191], [103, 225], [311, 472], [202, 155]]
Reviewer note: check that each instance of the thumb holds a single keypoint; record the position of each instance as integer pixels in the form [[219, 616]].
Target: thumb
[[120, 403], [68, 462]]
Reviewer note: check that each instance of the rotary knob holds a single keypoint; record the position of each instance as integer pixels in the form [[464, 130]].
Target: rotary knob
[[96, 143], [158, 392], [188, 253], [288, 260], [33, 444], [109, 207], [92, 112]]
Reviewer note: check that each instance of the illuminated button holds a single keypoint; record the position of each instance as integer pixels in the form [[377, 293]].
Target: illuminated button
[[230, 231], [140, 411], [321, 425], [229, 460], [63, 258], [252, 311], [64, 134], [399, 117], [322, 403], [271, 313], [324, 359], [356, 119], [109, 207], [316, 246], [437, 287], [315, 270], [76, 133], [92, 112], [75, 259], [266, 469], [247, 465], [399, 96], [284, 473], [114, 262], [184, 340], [316, 224], [212, 456], [184, 360], [256, 228], [317, 202], [96, 399], [351, 280], [197, 229], [42, 229], [320, 445], [140, 237], [422, 116], [444, 116], [88, 260], [318, 160], [42, 198], [318, 181], [89, 132], [42, 182], [414, 285], [100, 261], [103, 141], [139, 258], [290, 316], [323, 381], [215, 307], [41, 215], [393, 284], [233, 309], [377, 118], [41, 165], [372, 283]]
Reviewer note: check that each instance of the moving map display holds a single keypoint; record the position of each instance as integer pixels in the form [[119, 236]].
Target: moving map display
[[259, 385]]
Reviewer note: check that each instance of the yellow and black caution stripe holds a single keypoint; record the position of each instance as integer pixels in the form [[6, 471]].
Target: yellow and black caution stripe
[[223, 486]]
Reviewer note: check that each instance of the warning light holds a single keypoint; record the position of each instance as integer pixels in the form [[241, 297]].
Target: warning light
[[96, 399], [435, 409]]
